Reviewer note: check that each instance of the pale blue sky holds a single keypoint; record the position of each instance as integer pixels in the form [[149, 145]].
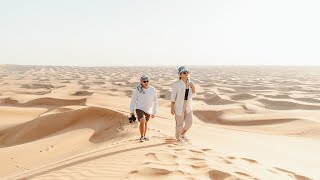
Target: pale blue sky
[[162, 32]]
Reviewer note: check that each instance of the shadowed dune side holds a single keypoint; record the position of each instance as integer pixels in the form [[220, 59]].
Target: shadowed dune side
[[37, 86], [279, 96], [242, 97], [98, 119], [226, 90], [208, 116], [286, 105], [308, 100], [82, 93], [301, 124], [214, 100], [7, 101], [216, 117], [302, 99], [55, 102], [44, 101], [34, 92]]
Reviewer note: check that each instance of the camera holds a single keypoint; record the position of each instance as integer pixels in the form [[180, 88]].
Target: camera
[[132, 119]]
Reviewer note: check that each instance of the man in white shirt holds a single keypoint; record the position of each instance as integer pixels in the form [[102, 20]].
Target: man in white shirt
[[145, 101]]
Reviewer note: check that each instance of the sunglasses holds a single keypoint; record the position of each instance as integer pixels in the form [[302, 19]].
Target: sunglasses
[[185, 72], [145, 81]]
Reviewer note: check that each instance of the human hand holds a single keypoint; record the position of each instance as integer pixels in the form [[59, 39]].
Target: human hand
[[173, 111], [191, 84]]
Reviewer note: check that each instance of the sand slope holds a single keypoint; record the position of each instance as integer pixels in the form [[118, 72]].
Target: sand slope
[[71, 123]]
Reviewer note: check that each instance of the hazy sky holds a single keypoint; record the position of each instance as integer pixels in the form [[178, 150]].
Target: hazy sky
[[160, 32]]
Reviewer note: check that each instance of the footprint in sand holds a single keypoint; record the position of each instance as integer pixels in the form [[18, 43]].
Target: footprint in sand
[[47, 148], [153, 171], [232, 158], [195, 159], [161, 164], [205, 149], [225, 160], [290, 173], [199, 165], [168, 162], [170, 140], [250, 160], [171, 145], [159, 156], [246, 176], [196, 151], [217, 174]]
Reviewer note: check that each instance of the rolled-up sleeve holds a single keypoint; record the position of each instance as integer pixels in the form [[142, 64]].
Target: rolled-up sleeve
[[134, 99], [174, 92]]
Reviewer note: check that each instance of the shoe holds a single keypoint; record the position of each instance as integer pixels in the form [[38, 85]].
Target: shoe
[[185, 138], [179, 141], [146, 139], [142, 139]]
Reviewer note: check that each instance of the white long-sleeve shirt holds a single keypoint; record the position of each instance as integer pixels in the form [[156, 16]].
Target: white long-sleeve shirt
[[146, 101], [177, 96]]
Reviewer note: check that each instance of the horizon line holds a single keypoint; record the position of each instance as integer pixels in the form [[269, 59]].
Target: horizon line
[[189, 65]]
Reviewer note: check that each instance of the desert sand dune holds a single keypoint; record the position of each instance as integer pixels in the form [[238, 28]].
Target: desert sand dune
[[10, 116], [217, 118], [59, 122], [308, 100], [44, 126], [44, 101], [287, 105], [242, 97], [214, 100], [82, 93], [37, 86], [7, 100]]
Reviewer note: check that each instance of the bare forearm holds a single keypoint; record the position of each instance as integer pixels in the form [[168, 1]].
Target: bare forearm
[[193, 88], [172, 108], [172, 104]]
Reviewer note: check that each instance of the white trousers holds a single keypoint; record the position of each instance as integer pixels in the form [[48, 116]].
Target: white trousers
[[183, 122]]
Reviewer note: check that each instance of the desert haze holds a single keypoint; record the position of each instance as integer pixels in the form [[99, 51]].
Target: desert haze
[[250, 122]]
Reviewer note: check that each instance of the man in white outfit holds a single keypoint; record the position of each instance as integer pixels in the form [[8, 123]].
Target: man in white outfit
[[181, 103], [145, 101]]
